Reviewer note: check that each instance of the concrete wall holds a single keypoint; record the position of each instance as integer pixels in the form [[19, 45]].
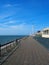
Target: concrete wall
[[45, 33], [45, 36]]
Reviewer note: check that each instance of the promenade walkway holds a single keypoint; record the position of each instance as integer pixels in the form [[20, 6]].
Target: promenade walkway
[[30, 52]]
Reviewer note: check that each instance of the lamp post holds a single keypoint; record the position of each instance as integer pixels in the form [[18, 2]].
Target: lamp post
[[33, 29]]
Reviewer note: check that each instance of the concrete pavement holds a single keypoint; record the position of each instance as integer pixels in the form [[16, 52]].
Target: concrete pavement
[[30, 52]]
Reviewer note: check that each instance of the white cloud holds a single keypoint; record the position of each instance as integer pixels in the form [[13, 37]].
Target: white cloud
[[4, 16], [17, 29], [7, 5], [12, 22], [9, 22], [3, 25], [11, 5]]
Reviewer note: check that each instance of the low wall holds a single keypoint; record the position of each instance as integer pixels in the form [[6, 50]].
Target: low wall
[[45, 36]]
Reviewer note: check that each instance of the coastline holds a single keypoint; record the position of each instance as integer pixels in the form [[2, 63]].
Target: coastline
[[5, 39]]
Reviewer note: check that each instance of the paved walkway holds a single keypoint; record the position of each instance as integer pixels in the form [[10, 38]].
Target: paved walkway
[[30, 52]]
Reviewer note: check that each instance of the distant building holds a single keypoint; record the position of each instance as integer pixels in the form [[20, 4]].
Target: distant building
[[45, 33], [38, 33]]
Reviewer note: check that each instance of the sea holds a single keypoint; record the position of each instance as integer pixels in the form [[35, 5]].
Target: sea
[[43, 41], [4, 39]]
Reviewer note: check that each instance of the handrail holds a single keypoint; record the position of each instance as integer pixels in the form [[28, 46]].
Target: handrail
[[7, 49]]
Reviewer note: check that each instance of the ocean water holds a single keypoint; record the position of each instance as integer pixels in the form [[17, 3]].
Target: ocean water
[[7, 38], [43, 41]]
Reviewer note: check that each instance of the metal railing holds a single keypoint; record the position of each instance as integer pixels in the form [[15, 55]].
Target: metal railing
[[7, 49]]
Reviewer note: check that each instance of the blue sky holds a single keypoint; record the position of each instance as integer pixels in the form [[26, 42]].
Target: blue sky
[[22, 17]]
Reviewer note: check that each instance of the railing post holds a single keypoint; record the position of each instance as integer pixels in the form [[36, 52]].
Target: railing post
[[16, 41], [10, 47], [0, 50]]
